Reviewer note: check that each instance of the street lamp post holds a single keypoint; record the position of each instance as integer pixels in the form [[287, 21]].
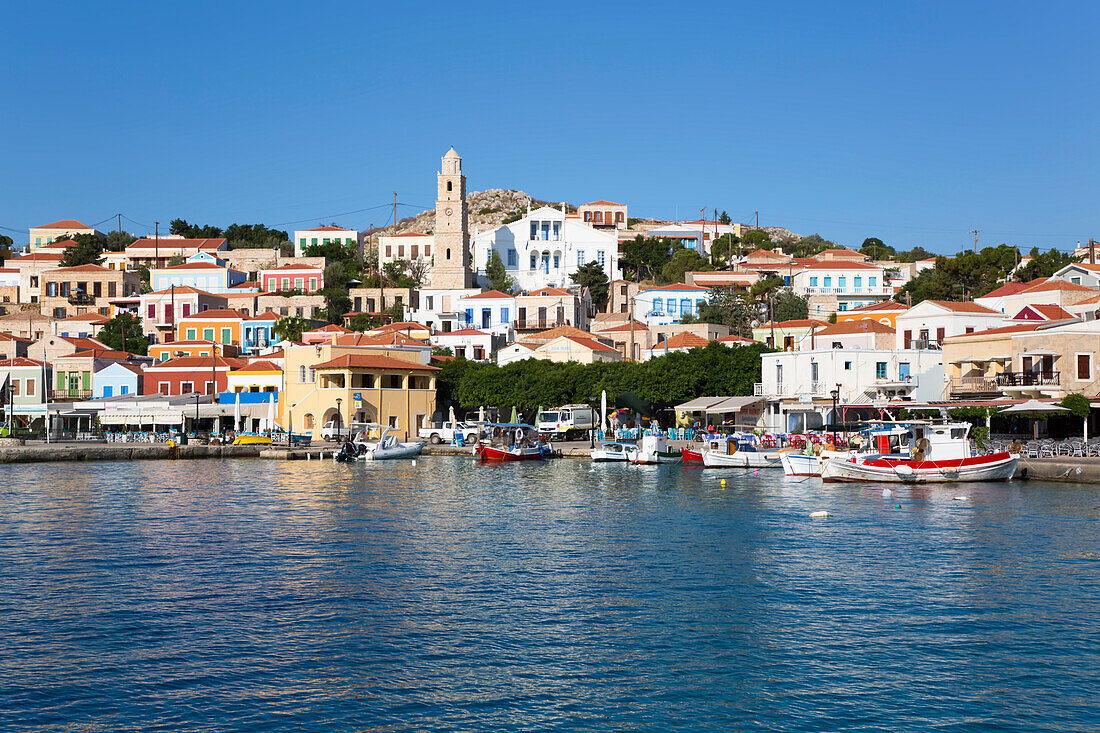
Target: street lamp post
[[835, 394], [339, 418]]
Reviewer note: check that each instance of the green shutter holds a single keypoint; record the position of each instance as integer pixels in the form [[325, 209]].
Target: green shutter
[[208, 334], [191, 334], [61, 380], [227, 337], [87, 380]]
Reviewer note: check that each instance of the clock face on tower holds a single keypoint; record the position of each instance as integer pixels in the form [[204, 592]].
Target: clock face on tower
[[447, 212]]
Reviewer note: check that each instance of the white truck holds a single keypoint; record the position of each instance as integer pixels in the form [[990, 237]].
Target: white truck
[[566, 422], [334, 431], [446, 433]]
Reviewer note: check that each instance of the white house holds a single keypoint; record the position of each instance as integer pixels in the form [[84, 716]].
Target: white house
[[438, 309], [665, 304], [1080, 273], [515, 352], [491, 311], [323, 235], [929, 322], [203, 270], [799, 385], [545, 248], [840, 285], [411, 246], [467, 342]]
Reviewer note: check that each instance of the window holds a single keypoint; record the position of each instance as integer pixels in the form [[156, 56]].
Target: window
[[208, 334], [313, 283], [302, 374], [191, 334], [15, 388], [970, 329], [511, 258], [504, 315], [286, 283], [414, 251], [847, 366], [658, 305], [880, 370], [939, 335], [313, 241], [857, 281], [1075, 280], [828, 282], [841, 281], [673, 308], [186, 309], [302, 242], [469, 316], [618, 217], [580, 257], [124, 389], [186, 387], [165, 388], [450, 184], [600, 254], [813, 281], [557, 260], [814, 371], [871, 281], [299, 283], [152, 312], [534, 230], [685, 306], [842, 307], [534, 260], [309, 421], [1084, 367]]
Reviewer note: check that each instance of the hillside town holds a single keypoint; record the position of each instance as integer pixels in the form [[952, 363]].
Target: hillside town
[[337, 325]]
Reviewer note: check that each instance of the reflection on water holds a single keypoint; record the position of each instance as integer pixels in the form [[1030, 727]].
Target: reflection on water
[[257, 595]]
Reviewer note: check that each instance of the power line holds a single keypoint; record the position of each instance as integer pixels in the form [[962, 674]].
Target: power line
[[329, 216]]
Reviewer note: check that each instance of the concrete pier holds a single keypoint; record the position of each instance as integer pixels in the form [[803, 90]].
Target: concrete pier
[[43, 453]]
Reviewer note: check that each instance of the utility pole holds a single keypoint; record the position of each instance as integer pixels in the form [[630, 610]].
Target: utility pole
[[630, 320], [156, 244], [702, 239], [757, 218], [120, 228], [1092, 251], [975, 233]]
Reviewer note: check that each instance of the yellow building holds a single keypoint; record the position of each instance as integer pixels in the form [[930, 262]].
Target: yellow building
[[344, 384]]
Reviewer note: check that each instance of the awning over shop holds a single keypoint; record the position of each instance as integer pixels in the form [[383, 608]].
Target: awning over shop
[[699, 404], [144, 417], [733, 404]]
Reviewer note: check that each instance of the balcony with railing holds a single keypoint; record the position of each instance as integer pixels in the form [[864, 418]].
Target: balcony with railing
[[998, 384], [70, 394], [1010, 380], [538, 324], [79, 297]]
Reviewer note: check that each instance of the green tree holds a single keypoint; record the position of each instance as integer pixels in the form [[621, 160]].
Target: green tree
[[724, 218], [1077, 404], [5, 247], [965, 276], [87, 249], [364, 322], [143, 273], [192, 231], [916, 254], [644, 257], [291, 328], [723, 249], [1044, 264], [124, 332], [592, 276], [118, 241], [809, 246], [876, 249], [683, 261], [755, 239], [729, 307], [498, 276], [789, 306], [176, 260], [762, 288]]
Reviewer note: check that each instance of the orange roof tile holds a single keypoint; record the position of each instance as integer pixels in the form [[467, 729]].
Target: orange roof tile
[[65, 224], [590, 343], [964, 307], [488, 294], [682, 341], [372, 361]]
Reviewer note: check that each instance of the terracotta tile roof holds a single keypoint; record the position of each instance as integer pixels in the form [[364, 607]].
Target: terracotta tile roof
[[170, 244], [85, 268], [464, 332], [135, 368], [59, 244], [34, 256], [488, 294], [553, 333], [733, 338], [197, 363], [5, 336], [265, 316], [401, 326], [794, 323], [393, 338], [218, 313], [840, 264], [1048, 311], [327, 229], [1018, 328], [544, 292], [637, 326], [372, 361], [182, 290], [259, 366], [411, 234], [1012, 287], [193, 266], [20, 361], [293, 267], [65, 224], [590, 343], [83, 344], [682, 341], [964, 307], [100, 354], [679, 287], [849, 327], [885, 305], [763, 253], [87, 317], [330, 328], [1052, 284], [601, 202]]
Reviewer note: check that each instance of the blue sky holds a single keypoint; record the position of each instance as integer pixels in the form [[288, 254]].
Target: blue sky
[[914, 122]]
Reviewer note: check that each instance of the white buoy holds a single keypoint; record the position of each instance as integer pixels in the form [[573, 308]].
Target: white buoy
[[414, 461], [958, 498], [821, 514], [887, 492], [308, 456]]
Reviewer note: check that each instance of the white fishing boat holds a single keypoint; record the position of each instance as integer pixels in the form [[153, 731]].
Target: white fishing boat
[[738, 450], [611, 451], [651, 449], [375, 442], [938, 453], [880, 440]]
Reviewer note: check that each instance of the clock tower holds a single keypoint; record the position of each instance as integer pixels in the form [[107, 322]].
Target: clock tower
[[451, 266]]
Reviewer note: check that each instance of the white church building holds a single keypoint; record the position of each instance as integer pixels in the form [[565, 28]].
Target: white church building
[[545, 248]]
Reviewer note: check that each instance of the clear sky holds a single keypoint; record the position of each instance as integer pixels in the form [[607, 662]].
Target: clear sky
[[913, 122]]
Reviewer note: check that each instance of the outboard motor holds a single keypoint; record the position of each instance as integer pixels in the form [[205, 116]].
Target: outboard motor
[[347, 452]]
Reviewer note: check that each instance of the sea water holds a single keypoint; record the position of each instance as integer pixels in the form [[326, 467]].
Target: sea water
[[252, 595]]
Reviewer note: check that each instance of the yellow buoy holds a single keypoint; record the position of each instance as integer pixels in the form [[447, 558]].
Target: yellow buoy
[[723, 482]]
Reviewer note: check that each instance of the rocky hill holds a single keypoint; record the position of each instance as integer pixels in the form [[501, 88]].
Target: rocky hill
[[488, 209]]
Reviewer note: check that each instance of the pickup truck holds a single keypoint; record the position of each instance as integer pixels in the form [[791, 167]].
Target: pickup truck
[[446, 433], [332, 431]]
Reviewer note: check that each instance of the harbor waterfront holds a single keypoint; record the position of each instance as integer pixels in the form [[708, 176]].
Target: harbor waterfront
[[259, 595]]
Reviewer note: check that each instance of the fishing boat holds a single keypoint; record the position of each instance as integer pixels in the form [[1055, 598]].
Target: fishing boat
[[738, 450], [611, 451], [690, 455], [653, 449], [251, 439], [879, 439], [504, 442], [375, 442], [938, 453]]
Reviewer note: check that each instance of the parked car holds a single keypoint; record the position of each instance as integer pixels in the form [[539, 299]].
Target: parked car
[[445, 433]]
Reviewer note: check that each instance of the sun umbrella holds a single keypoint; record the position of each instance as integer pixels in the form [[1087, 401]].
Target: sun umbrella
[[271, 412], [236, 412], [515, 415], [481, 413], [603, 410], [451, 415], [1036, 410]]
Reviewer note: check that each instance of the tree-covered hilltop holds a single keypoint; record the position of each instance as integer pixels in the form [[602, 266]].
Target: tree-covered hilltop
[[665, 380]]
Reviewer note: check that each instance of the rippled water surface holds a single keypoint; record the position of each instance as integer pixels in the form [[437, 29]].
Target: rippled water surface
[[261, 595]]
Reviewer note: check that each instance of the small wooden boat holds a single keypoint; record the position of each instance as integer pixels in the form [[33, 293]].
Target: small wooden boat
[[611, 451], [738, 450], [938, 453], [653, 449], [251, 439], [690, 455], [507, 442]]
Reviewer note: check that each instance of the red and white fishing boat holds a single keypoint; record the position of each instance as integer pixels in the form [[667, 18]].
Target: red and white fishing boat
[[510, 442], [690, 455], [938, 453]]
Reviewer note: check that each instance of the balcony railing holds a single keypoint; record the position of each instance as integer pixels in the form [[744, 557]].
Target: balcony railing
[[819, 290], [537, 324], [79, 298], [70, 394], [974, 385], [1028, 379]]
